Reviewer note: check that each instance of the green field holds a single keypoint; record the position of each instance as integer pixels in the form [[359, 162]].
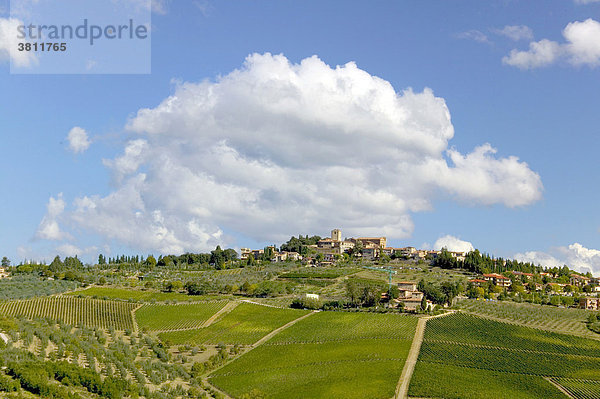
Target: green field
[[85, 311], [568, 321], [156, 317], [244, 325], [137, 295], [473, 349], [435, 380], [327, 355]]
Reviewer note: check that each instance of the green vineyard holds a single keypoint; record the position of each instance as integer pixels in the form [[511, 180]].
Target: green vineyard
[[580, 389], [568, 321], [326, 355], [244, 325], [72, 310], [512, 359], [176, 317]]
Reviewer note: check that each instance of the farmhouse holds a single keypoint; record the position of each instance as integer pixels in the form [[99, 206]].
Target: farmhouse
[[409, 295], [497, 279], [4, 273], [589, 303], [477, 282], [283, 256], [245, 253], [578, 280]]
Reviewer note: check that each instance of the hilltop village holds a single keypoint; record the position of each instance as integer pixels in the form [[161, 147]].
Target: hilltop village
[[327, 252]]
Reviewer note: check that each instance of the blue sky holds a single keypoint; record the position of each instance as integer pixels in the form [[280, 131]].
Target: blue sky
[[235, 159]]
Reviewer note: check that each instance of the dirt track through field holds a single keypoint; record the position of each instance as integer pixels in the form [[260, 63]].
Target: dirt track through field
[[560, 388], [225, 309], [256, 344], [413, 355], [278, 330]]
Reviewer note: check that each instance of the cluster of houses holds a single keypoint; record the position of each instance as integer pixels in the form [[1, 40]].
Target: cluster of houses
[[276, 256], [4, 273], [331, 249], [575, 280]]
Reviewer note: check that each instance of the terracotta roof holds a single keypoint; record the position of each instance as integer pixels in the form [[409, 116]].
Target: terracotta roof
[[495, 275]]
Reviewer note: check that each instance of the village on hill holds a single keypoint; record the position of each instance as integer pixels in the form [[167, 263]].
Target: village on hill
[[328, 251]]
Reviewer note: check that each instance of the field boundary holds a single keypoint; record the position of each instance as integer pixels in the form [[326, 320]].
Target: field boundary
[[278, 330], [226, 308], [255, 345], [413, 355], [263, 304], [229, 306], [559, 387], [136, 328]]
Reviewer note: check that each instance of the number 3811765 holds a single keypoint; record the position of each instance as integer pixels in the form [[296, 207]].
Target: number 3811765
[[35, 46]]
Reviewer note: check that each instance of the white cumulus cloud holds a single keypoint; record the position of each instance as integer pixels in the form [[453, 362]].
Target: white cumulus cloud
[[78, 140], [49, 228], [453, 244], [575, 256], [276, 148], [582, 47], [9, 44]]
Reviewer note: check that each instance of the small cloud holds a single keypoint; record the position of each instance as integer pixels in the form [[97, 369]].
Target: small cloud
[[49, 228], [452, 243], [516, 32], [78, 140], [542, 53], [582, 47], [473, 34]]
